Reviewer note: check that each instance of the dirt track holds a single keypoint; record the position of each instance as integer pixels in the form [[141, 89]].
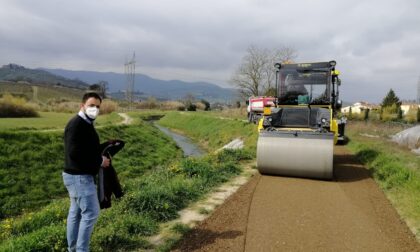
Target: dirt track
[[290, 214]]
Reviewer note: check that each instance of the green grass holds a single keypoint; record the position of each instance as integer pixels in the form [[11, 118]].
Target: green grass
[[395, 168], [157, 182], [51, 120], [31, 163], [45, 93], [210, 131]]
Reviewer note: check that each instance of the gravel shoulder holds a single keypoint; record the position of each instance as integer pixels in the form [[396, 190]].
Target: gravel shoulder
[[272, 213]]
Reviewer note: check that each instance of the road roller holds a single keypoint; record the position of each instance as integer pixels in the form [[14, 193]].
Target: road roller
[[297, 135]]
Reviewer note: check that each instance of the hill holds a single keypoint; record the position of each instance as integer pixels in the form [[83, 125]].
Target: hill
[[17, 73], [41, 93], [146, 86]]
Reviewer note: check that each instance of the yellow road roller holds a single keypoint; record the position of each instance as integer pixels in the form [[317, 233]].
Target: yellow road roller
[[297, 136]]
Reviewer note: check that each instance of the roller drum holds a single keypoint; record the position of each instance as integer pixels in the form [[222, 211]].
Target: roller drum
[[296, 154]]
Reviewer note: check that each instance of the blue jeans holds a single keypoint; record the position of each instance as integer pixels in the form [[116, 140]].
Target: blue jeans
[[83, 212]]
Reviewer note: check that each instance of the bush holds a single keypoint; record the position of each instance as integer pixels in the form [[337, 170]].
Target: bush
[[171, 105], [66, 107], [411, 116], [191, 107], [11, 106], [389, 113], [150, 103], [108, 106], [200, 106]]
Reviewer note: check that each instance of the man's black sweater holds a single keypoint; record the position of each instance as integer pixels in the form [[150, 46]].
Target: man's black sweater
[[81, 147]]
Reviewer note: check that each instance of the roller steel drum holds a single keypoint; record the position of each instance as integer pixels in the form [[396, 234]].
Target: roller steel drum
[[296, 154]]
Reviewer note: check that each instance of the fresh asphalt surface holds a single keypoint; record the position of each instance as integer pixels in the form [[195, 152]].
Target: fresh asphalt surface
[[272, 213]]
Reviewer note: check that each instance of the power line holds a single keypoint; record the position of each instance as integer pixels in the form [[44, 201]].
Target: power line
[[130, 74]]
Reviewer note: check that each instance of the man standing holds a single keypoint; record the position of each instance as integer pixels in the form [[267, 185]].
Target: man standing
[[83, 159]]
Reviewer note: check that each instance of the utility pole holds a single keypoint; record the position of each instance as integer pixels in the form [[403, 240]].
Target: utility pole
[[130, 73]]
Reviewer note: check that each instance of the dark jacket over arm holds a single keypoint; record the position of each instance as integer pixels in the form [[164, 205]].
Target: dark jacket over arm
[[108, 182]]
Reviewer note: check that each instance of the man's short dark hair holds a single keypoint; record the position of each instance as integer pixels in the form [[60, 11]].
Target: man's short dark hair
[[88, 95]]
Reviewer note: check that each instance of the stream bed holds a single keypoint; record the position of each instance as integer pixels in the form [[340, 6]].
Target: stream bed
[[188, 147]]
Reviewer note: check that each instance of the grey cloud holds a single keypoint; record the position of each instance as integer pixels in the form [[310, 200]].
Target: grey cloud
[[376, 43]]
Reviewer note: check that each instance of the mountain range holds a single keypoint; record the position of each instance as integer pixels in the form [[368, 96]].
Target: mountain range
[[144, 86], [17, 73]]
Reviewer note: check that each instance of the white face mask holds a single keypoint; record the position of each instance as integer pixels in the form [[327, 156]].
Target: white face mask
[[92, 112]]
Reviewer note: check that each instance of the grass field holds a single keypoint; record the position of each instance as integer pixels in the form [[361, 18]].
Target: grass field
[[44, 93], [396, 169], [210, 130], [156, 180], [51, 120]]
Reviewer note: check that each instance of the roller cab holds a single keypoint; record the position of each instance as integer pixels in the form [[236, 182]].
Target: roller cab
[[297, 137]]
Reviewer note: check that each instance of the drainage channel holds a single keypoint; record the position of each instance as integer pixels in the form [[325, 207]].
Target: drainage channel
[[188, 147]]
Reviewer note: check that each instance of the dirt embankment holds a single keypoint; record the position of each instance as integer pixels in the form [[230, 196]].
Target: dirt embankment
[[291, 214]]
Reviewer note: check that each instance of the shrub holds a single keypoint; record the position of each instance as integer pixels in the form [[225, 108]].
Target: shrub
[[191, 107], [411, 116], [108, 106], [171, 105], [200, 106], [11, 106], [150, 103], [418, 114], [66, 107], [390, 113]]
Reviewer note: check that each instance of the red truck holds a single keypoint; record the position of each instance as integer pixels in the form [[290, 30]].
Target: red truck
[[256, 106]]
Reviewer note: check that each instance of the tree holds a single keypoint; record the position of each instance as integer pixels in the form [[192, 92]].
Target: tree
[[418, 114], [255, 75], [206, 104], [399, 113], [189, 101], [366, 114], [391, 99], [101, 87]]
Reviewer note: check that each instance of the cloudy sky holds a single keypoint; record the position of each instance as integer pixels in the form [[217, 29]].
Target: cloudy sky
[[375, 43]]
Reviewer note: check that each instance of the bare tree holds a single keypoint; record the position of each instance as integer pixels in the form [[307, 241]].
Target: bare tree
[[256, 74]]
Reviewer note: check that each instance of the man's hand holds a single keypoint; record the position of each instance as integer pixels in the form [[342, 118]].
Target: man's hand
[[105, 162]]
